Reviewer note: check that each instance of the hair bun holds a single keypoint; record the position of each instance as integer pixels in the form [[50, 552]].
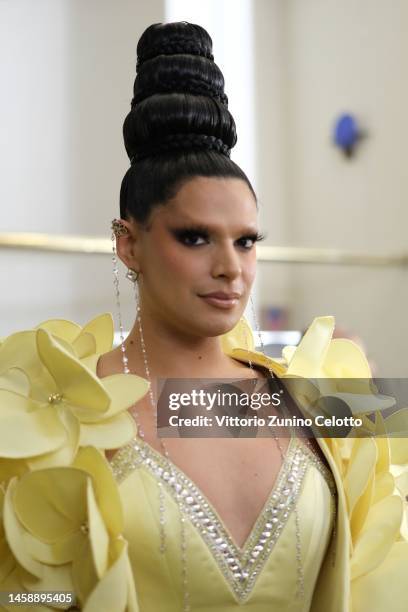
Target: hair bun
[[173, 38], [179, 101], [162, 79]]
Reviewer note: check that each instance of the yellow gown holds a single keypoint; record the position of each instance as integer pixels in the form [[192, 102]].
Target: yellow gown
[[70, 521], [260, 577]]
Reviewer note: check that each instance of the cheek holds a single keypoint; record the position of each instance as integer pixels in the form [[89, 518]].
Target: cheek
[[175, 265], [249, 269]]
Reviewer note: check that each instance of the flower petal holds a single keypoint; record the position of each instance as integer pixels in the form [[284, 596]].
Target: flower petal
[[384, 486], [84, 574], [309, 357], [10, 468], [106, 489], [402, 488], [13, 583], [399, 451], [397, 425], [51, 503], [15, 379], [124, 390], [383, 461], [376, 539], [84, 345], [101, 327], [386, 587], [76, 383], [239, 336], [66, 453], [288, 352], [15, 533], [60, 552], [110, 433], [346, 359], [98, 535], [359, 481], [62, 328], [55, 578], [7, 561], [111, 593], [26, 429], [20, 351]]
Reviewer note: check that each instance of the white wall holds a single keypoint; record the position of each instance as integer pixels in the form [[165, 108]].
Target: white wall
[[67, 70], [349, 56], [270, 99]]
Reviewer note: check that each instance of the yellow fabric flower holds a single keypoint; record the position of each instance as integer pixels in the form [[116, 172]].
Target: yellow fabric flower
[[52, 403], [94, 338], [60, 526], [63, 526]]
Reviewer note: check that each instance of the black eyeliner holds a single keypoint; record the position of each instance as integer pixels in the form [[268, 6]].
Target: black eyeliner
[[204, 232]]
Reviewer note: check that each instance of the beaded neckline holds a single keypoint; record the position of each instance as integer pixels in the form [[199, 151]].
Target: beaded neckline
[[239, 565]]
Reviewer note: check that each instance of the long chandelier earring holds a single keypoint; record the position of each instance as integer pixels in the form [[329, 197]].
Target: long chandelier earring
[[299, 564], [118, 229]]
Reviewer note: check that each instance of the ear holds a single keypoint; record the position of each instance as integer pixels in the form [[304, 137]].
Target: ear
[[128, 245]]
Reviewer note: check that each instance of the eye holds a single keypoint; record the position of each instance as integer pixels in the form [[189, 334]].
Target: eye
[[191, 238], [247, 242], [197, 236]]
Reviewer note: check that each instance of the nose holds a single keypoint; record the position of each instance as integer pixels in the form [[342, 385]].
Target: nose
[[226, 262]]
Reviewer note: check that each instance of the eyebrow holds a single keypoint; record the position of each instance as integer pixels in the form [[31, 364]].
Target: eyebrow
[[190, 224]]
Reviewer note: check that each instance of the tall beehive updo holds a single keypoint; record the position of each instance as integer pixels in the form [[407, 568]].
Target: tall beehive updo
[[179, 125]]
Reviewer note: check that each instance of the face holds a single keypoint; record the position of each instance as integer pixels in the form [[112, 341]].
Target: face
[[199, 243]]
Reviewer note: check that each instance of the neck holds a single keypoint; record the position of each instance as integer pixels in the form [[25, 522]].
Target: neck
[[172, 353]]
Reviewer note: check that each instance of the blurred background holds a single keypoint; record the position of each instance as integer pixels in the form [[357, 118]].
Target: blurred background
[[318, 92]]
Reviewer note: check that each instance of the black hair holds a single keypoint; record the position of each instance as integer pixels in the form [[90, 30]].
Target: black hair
[[179, 125]]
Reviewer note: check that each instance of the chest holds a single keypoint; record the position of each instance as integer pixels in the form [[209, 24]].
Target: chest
[[235, 475], [140, 467]]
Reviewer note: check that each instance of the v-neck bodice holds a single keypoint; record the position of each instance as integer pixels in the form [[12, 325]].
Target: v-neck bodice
[[260, 575]]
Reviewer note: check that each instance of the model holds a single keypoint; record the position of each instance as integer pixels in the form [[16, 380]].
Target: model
[[100, 513]]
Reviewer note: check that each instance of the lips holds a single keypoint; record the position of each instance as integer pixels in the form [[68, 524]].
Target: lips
[[221, 295], [220, 299]]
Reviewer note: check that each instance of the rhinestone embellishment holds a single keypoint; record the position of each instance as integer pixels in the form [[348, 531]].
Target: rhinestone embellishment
[[240, 566]]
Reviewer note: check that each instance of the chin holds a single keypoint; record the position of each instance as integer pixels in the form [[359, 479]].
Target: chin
[[219, 325]]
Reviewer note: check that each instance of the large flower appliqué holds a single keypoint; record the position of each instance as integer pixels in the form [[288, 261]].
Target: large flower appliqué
[[52, 403], [62, 529]]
